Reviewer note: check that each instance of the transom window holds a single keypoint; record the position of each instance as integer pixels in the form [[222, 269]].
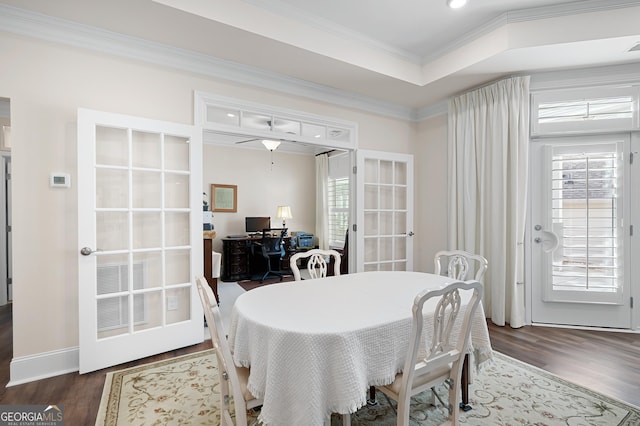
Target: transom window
[[586, 110]]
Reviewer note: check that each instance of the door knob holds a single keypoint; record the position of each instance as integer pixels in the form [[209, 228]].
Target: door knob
[[86, 251]]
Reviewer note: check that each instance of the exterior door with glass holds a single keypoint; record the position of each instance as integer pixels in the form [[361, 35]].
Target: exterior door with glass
[[384, 183], [580, 231], [140, 237]]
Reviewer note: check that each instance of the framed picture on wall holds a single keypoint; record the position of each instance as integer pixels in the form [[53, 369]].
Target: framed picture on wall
[[224, 198]]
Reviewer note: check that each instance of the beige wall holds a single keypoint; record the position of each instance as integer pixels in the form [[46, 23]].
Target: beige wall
[[46, 84], [261, 187], [431, 192]]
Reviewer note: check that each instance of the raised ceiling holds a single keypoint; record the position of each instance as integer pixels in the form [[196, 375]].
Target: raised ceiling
[[408, 54]]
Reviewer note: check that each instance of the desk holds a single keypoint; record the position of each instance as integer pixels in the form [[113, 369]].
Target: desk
[[315, 346], [208, 265], [242, 259]]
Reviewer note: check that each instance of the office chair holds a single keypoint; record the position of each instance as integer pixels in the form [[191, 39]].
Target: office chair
[[272, 248]]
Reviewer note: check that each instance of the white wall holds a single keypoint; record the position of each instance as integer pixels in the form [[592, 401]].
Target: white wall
[[261, 187], [47, 83]]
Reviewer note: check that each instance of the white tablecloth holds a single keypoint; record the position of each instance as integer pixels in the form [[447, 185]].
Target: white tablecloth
[[315, 346]]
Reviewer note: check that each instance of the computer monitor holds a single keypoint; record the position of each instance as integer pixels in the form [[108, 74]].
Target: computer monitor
[[256, 224]]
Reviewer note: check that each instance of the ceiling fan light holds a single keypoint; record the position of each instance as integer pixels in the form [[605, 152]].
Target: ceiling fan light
[[270, 144], [456, 4]]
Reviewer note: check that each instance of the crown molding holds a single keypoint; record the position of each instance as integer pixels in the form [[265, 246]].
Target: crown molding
[[532, 14], [627, 74], [51, 29]]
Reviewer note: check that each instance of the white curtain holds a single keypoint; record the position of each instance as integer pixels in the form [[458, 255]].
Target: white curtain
[[322, 198], [487, 181]]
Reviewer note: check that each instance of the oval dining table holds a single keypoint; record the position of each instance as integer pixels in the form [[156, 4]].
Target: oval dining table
[[316, 346]]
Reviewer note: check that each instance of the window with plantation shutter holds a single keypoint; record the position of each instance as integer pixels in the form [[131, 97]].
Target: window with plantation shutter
[[586, 187], [338, 210]]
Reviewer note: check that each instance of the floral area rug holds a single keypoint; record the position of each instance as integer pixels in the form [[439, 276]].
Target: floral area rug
[[184, 390]]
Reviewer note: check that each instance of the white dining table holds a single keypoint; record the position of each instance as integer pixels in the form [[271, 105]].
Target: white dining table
[[316, 346]]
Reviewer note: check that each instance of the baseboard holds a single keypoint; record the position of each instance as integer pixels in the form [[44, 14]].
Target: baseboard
[[42, 366]]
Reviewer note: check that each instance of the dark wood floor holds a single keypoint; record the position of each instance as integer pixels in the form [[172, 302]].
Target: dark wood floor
[[608, 362]]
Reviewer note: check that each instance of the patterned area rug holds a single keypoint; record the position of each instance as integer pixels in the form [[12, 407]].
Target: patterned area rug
[[184, 390]]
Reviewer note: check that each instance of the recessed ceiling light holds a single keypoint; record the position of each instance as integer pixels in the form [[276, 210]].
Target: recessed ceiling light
[[230, 115], [456, 4]]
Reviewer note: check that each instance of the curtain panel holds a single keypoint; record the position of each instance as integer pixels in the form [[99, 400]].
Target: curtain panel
[[322, 197], [488, 154]]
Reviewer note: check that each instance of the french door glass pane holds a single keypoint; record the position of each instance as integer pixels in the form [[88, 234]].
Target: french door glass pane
[[151, 265], [180, 310], [176, 153], [386, 172], [177, 266], [147, 231], [176, 191], [112, 146], [146, 317], [176, 229], [147, 189], [112, 188], [146, 150], [112, 274], [113, 316], [112, 230]]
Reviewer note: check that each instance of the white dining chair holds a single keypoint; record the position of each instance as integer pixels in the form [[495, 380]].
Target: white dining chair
[[317, 264], [461, 264], [445, 354], [233, 380]]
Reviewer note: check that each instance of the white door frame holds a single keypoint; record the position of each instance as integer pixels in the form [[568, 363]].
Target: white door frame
[[5, 206]]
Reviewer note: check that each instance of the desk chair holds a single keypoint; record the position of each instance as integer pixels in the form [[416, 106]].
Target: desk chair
[[445, 354], [272, 248], [233, 380]]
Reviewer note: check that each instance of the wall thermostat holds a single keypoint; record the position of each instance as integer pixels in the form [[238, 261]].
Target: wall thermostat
[[60, 180]]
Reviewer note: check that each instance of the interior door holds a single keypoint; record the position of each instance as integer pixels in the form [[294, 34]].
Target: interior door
[[140, 237], [580, 231], [384, 186]]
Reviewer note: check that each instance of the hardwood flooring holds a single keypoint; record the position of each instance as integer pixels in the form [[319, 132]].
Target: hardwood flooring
[[608, 362]]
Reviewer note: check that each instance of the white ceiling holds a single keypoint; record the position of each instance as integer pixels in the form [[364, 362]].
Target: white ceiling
[[406, 53]]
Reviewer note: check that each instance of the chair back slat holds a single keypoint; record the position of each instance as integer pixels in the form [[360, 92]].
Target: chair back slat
[[460, 265], [317, 264]]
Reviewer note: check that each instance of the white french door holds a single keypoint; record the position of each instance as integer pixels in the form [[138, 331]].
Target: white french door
[[140, 237], [580, 227], [384, 211]]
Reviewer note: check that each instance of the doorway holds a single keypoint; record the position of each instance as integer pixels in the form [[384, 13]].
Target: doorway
[[5, 203], [580, 228]]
